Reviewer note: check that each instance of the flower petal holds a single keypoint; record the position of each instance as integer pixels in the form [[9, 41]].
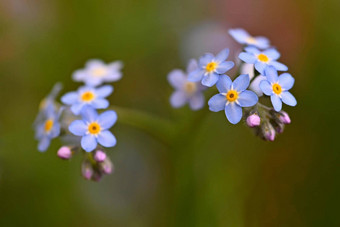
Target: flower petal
[[104, 91], [247, 57], [107, 139], [44, 143], [247, 99], [239, 34], [89, 114], [210, 79], [217, 103], [222, 56], [224, 84], [107, 119], [276, 101], [266, 87], [279, 66], [70, 98], [252, 50], [178, 99], [192, 65], [260, 66], [88, 143], [262, 42], [196, 75], [94, 63], [241, 83], [288, 98], [224, 67], [233, 113], [177, 78], [272, 53], [78, 128], [76, 108], [196, 101], [206, 59], [271, 74], [286, 81], [100, 103]]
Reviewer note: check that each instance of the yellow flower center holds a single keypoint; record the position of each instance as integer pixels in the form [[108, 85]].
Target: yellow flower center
[[232, 96], [263, 58], [48, 125], [211, 67], [94, 128], [99, 72], [277, 89], [87, 96], [251, 40], [190, 87]]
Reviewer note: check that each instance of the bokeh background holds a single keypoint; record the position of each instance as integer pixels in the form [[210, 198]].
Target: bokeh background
[[216, 174]]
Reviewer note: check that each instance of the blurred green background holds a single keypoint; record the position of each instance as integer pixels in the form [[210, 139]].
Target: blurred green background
[[216, 174]]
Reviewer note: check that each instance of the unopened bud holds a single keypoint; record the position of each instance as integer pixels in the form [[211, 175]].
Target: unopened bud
[[64, 152], [99, 156], [106, 166], [284, 118], [279, 128], [87, 170], [253, 120], [97, 176], [269, 132]]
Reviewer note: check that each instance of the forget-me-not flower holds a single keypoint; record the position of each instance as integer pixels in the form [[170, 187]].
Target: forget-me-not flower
[[48, 128], [262, 59], [94, 128], [243, 37], [232, 97], [97, 72], [277, 88], [211, 68], [87, 96], [186, 91]]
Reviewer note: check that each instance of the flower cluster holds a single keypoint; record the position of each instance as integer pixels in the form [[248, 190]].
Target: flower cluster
[[76, 120], [259, 80]]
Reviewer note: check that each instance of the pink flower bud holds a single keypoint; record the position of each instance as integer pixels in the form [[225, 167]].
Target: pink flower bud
[[284, 118], [87, 170], [99, 156], [253, 120], [269, 134], [106, 166], [64, 152]]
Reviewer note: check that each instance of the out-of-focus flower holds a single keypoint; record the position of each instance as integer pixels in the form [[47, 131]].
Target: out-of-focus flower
[[87, 96], [97, 72], [262, 59], [233, 96], [48, 128], [243, 37], [186, 91], [277, 88], [210, 68], [94, 128]]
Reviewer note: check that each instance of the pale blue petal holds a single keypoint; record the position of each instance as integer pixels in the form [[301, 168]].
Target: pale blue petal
[[222, 56], [241, 83], [94, 63], [260, 66], [196, 75], [239, 34], [177, 78], [78, 128], [107, 139], [224, 67], [279, 66], [217, 103], [224, 84], [252, 50], [233, 113], [107, 119], [286, 81], [70, 98], [76, 108], [55, 130], [192, 65], [262, 42], [104, 91], [271, 74], [178, 99], [272, 54], [44, 143], [210, 79], [247, 99], [89, 114], [100, 103], [88, 143], [266, 87], [247, 57], [196, 101], [288, 98], [206, 59], [276, 101]]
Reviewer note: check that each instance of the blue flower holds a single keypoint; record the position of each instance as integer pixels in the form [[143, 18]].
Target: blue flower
[[97, 72], [48, 128], [210, 68], [243, 37], [186, 91], [87, 96], [262, 59], [277, 88], [232, 97], [94, 128]]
